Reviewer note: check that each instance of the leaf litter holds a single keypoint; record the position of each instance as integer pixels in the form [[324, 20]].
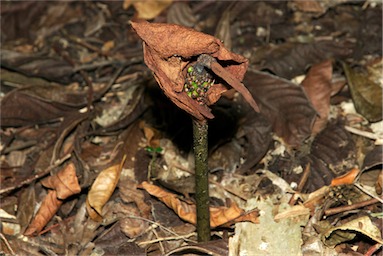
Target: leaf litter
[[78, 102]]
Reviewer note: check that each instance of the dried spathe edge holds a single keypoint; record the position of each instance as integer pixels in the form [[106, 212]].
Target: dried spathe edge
[[219, 216], [169, 49]]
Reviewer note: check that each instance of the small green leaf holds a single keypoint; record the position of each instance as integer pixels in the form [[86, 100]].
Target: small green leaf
[[158, 149], [153, 150]]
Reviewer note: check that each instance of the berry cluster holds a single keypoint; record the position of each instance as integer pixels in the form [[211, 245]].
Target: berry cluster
[[197, 83]]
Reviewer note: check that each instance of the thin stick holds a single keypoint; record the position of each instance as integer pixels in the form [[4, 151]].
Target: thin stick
[[345, 208], [301, 184], [201, 179], [7, 244]]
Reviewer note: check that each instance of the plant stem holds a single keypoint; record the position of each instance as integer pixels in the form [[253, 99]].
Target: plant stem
[[201, 179]]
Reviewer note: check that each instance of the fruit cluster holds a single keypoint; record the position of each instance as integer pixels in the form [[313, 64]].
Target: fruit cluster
[[197, 83]]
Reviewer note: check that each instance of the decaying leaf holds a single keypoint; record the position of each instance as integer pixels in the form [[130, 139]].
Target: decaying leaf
[[115, 243], [366, 93], [258, 132], [48, 209], [25, 208], [53, 69], [332, 155], [36, 100], [187, 210], [317, 85], [350, 230], [123, 111], [102, 189], [170, 49], [130, 226], [130, 193], [289, 60], [65, 182], [34, 110], [284, 105]]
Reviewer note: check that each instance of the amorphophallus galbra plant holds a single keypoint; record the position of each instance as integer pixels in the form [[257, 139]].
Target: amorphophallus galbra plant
[[193, 69], [171, 51]]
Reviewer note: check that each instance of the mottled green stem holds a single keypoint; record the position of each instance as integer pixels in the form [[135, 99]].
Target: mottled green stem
[[201, 179]]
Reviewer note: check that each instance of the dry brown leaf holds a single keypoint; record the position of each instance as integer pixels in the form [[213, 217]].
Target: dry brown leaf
[[48, 209], [168, 51], [102, 189], [148, 9], [131, 226], [187, 211], [284, 105], [318, 88], [65, 182], [130, 193]]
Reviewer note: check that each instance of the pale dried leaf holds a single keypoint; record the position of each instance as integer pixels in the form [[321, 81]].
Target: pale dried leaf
[[102, 189]]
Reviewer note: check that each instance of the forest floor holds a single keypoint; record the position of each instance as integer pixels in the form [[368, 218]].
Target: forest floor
[[96, 159]]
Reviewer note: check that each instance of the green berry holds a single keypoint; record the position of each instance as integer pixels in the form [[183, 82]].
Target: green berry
[[194, 94], [197, 82]]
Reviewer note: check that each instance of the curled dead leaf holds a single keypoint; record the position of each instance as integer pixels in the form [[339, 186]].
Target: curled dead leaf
[[187, 210], [169, 51], [65, 182], [48, 209], [349, 230], [102, 189]]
